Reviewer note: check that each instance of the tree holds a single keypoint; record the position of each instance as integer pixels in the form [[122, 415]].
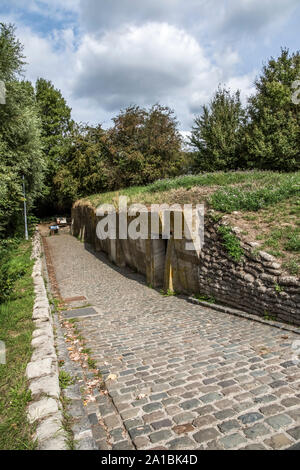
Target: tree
[[20, 140], [162, 144], [11, 53], [217, 132], [56, 124], [273, 132], [143, 145], [146, 145], [87, 166]]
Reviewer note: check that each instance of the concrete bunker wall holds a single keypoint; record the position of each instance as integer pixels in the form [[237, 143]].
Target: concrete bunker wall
[[256, 284]]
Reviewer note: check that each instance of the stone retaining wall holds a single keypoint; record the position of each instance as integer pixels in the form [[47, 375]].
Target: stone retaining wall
[[45, 410], [255, 284]]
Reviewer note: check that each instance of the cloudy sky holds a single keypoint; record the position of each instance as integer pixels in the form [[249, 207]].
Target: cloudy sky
[[107, 54]]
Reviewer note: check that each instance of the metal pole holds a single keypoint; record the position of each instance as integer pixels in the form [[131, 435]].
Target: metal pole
[[25, 210]]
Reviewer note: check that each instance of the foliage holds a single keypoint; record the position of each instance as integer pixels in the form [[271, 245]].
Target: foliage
[[205, 298], [10, 197], [65, 380], [141, 146], [11, 268], [231, 243], [217, 132], [86, 164], [56, 124], [147, 143], [247, 199], [16, 328], [239, 181], [20, 140], [273, 129], [11, 53]]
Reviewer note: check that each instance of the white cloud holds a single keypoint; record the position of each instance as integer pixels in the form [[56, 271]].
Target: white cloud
[[205, 16], [152, 63], [137, 63], [118, 52], [44, 58]]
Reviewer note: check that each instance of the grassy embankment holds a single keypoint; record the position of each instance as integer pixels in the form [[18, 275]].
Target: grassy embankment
[[16, 327], [264, 205]]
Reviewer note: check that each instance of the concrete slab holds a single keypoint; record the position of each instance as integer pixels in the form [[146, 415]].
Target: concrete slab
[[80, 312]]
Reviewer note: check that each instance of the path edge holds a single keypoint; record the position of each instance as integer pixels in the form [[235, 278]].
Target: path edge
[[240, 313], [45, 410]]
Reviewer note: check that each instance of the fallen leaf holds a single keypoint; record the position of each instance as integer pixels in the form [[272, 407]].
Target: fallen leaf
[[112, 377]]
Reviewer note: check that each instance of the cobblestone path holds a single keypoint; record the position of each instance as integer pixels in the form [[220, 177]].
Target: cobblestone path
[[188, 377]]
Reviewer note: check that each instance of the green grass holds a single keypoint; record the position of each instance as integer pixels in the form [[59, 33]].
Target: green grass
[[65, 380], [247, 199], [231, 243], [286, 237], [168, 293], [263, 183], [16, 329], [292, 266], [205, 298], [91, 363]]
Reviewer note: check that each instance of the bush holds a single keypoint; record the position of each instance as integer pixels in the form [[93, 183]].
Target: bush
[[11, 269], [231, 243]]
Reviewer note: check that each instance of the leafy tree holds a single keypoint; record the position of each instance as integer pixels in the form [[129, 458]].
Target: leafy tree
[[56, 124], [87, 165], [20, 142], [143, 145], [217, 133], [273, 132], [11, 53], [146, 145], [162, 144]]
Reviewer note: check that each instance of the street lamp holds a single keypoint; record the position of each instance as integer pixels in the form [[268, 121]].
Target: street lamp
[[25, 210]]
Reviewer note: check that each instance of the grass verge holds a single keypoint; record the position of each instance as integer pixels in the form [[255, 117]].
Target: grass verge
[[16, 329]]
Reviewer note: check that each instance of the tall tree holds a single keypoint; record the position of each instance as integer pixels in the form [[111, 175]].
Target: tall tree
[[20, 142], [11, 53], [143, 145], [147, 144], [273, 132], [87, 166], [217, 132]]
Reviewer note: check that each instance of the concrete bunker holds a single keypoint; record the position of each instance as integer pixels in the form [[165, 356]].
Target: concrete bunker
[[250, 284]]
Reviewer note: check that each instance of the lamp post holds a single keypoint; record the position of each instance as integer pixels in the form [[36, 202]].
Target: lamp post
[[25, 210]]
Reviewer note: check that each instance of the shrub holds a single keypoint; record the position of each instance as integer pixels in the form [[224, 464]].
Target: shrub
[[231, 243], [11, 268]]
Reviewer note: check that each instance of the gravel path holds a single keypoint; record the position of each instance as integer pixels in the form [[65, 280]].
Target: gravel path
[[187, 377]]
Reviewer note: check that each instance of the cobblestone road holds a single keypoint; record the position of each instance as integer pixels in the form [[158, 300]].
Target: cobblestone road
[[188, 377]]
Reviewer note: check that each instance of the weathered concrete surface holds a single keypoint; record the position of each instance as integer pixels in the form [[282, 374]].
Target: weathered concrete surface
[[186, 376]]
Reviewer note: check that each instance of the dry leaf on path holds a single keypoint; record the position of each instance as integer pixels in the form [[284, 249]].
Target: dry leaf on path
[[112, 377]]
